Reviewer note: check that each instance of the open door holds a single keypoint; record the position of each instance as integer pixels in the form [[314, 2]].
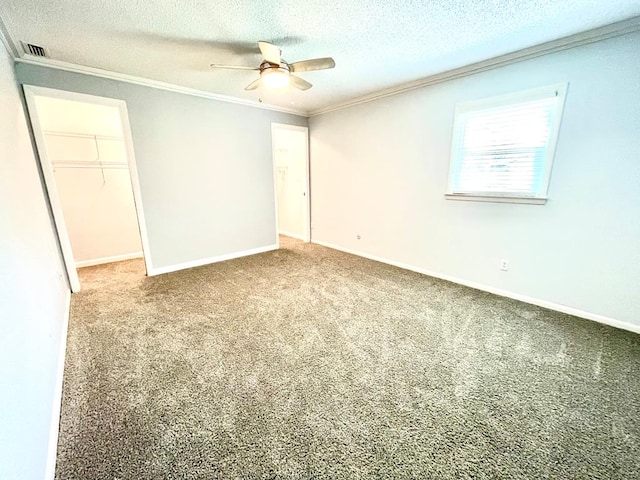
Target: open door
[[291, 176]]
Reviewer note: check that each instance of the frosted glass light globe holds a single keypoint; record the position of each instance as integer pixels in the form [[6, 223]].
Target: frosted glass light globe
[[275, 78]]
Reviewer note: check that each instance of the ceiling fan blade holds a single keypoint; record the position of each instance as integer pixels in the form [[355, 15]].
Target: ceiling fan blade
[[299, 83], [314, 64], [270, 52], [253, 85], [234, 67]]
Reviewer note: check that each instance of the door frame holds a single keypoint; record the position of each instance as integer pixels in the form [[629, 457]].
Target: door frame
[[306, 227], [30, 93]]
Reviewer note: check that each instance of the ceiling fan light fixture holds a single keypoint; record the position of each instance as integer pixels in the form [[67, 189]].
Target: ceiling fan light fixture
[[275, 77], [276, 73]]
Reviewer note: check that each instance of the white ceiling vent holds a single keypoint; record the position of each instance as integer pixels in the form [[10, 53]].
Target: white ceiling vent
[[35, 50]]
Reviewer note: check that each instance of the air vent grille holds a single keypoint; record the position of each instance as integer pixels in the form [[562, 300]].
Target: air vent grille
[[35, 50]]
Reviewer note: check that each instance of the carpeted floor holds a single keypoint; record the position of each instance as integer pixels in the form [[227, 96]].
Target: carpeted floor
[[310, 363]]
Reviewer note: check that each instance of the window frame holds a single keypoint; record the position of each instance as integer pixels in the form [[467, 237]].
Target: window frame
[[462, 108]]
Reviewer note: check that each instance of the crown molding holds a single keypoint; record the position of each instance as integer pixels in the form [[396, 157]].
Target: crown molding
[[146, 82], [19, 56], [583, 38]]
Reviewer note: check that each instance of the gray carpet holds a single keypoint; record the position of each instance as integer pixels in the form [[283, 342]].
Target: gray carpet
[[310, 363]]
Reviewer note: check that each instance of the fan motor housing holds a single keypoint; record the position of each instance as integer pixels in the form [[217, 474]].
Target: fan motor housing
[[268, 65]]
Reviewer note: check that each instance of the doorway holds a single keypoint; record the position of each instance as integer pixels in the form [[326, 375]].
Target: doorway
[[290, 146], [86, 154]]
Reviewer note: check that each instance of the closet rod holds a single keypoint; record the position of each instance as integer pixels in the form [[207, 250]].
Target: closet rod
[[83, 135], [80, 164]]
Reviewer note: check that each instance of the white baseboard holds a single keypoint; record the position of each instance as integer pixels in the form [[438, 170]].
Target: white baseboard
[[292, 235], [497, 291], [207, 261], [103, 260], [57, 394]]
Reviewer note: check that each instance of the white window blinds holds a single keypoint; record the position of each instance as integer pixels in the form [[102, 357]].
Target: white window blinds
[[503, 147]]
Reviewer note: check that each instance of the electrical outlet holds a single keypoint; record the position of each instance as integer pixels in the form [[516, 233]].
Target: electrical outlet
[[358, 237], [504, 265]]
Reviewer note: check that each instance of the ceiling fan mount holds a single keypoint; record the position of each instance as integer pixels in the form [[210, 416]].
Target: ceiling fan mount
[[275, 72]]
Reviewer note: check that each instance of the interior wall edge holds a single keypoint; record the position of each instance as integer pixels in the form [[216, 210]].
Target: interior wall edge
[[45, 195], [579, 39], [7, 41], [210, 260], [57, 397], [612, 322]]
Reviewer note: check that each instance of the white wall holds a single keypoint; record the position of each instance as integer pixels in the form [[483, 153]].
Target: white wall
[[379, 170], [57, 114], [97, 203], [205, 167], [99, 213], [33, 295]]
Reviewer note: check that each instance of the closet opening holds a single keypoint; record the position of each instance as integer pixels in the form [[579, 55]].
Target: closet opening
[[290, 150], [86, 154]]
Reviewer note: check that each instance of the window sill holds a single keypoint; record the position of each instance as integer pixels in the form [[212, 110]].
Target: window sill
[[500, 199]]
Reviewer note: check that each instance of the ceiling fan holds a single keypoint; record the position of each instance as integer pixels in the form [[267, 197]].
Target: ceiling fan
[[276, 73]]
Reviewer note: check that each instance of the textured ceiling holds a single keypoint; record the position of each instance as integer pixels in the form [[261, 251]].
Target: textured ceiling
[[376, 44]]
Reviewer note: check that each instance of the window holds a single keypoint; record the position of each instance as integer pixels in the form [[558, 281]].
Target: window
[[502, 147]]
